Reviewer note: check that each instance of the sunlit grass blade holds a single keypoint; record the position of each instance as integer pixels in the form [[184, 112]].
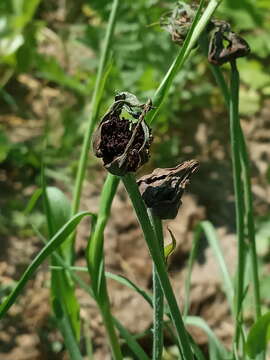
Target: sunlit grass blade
[[132, 343], [95, 263], [32, 202], [124, 281], [213, 241], [220, 352], [244, 158], [50, 247], [95, 104], [71, 344], [191, 260], [58, 211], [211, 236]]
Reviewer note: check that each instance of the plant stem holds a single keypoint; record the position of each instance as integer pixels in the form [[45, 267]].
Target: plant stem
[[250, 222], [239, 198], [249, 214], [95, 104], [150, 237], [192, 37], [158, 298], [95, 262]]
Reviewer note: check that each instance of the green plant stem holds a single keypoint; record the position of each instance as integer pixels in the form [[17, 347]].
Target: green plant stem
[[192, 37], [250, 223], [150, 237], [95, 104], [239, 198], [158, 298], [95, 263], [249, 214]]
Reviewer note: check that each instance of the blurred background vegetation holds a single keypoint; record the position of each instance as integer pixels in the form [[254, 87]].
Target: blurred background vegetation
[[49, 52]]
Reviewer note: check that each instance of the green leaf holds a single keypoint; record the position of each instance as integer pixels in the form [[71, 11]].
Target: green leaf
[[131, 342], [169, 249], [212, 238], [50, 69], [51, 246], [259, 336], [32, 202], [5, 146], [58, 211], [220, 352], [124, 281]]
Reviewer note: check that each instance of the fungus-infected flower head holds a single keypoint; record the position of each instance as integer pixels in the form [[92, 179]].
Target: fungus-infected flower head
[[225, 45], [163, 188], [123, 144], [178, 21]]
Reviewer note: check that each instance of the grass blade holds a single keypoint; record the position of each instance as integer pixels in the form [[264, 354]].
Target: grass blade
[[221, 352], [95, 103], [193, 35], [213, 241], [124, 281], [50, 247], [132, 343]]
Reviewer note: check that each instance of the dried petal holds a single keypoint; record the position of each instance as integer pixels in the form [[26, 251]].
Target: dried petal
[[163, 188], [225, 45], [122, 144]]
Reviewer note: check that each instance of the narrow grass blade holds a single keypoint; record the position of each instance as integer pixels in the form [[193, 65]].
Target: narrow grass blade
[[32, 202], [69, 338], [58, 212], [51, 246], [191, 260], [213, 241], [193, 35], [249, 215], [221, 352], [132, 343], [124, 281], [95, 103], [158, 297]]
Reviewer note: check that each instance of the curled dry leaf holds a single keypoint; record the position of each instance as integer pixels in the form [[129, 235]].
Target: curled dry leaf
[[225, 45], [121, 143], [163, 188]]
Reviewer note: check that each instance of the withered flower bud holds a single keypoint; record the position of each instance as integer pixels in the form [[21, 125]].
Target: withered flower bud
[[225, 45], [163, 188], [121, 143], [178, 21]]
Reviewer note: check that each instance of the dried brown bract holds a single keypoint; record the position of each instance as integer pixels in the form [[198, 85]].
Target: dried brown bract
[[178, 21], [163, 188], [121, 143], [225, 45]]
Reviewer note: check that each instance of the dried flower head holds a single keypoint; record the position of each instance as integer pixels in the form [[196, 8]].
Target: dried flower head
[[178, 21], [163, 188], [121, 143], [225, 45]]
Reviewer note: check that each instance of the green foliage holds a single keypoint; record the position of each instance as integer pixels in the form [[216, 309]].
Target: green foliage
[[63, 55], [258, 336], [51, 246]]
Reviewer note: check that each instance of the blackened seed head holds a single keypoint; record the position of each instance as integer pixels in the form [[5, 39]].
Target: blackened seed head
[[115, 136]]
